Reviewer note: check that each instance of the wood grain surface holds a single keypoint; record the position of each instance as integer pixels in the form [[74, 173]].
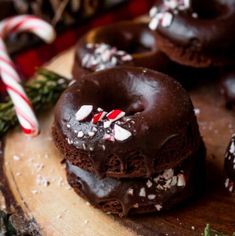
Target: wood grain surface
[[37, 179]]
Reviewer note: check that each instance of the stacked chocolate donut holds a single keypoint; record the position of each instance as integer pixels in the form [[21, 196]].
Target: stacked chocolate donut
[[129, 134], [130, 140]]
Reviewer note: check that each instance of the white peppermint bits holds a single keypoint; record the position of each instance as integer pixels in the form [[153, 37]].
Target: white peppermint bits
[[164, 14], [167, 174], [151, 196], [80, 134], [158, 207], [174, 181], [100, 124], [167, 19], [142, 192], [83, 112], [230, 163], [121, 134], [108, 137], [130, 191], [136, 205], [232, 148], [91, 133], [196, 111], [229, 185], [105, 120], [149, 183], [107, 124], [102, 56], [181, 180]]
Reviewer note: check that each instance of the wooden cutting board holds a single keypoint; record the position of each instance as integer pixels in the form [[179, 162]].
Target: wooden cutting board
[[37, 179]]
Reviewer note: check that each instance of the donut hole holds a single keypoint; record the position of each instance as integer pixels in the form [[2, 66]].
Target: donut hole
[[137, 47], [111, 101], [125, 91], [115, 100], [144, 43], [209, 9], [127, 37]]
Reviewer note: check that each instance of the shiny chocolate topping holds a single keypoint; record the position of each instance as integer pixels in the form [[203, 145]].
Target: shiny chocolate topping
[[157, 193], [123, 43], [202, 26], [155, 121]]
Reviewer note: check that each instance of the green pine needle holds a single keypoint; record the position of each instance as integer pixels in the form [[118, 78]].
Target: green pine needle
[[43, 92], [6, 227], [208, 231]]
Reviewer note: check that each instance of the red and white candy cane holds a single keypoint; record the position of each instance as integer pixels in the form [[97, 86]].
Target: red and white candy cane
[[8, 73], [27, 23]]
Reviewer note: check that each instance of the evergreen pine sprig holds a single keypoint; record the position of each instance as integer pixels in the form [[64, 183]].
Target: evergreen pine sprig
[[43, 91], [208, 231], [6, 227]]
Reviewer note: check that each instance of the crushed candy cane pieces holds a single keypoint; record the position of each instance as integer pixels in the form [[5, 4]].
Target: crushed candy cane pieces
[[83, 112], [98, 117], [121, 134], [115, 115]]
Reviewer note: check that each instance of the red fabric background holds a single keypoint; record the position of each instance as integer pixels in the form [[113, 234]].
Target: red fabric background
[[27, 61]]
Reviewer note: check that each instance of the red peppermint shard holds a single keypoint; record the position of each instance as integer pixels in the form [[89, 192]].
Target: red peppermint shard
[[98, 117], [115, 115], [83, 112]]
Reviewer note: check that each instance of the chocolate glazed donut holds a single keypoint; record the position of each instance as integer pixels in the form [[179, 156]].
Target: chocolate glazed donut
[[123, 43], [156, 130], [141, 195], [198, 34]]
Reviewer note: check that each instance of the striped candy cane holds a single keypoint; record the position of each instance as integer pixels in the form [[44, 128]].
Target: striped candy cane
[[8, 73], [29, 24]]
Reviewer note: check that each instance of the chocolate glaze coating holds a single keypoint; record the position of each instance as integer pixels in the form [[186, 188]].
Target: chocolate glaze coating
[[202, 41], [229, 165], [133, 196], [227, 88], [132, 37], [160, 118]]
